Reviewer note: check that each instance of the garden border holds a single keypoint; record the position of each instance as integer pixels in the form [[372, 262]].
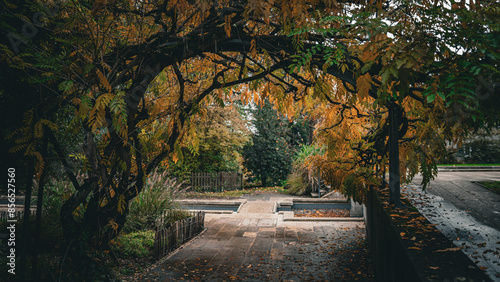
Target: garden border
[[290, 215]]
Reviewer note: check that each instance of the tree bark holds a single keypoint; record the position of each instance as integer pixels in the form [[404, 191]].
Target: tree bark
[[394, 174], [39, 203], [26, 219]]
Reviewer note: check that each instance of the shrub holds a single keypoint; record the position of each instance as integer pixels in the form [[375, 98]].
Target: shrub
[[157, 198], [480, 148], [138, 244], [296, 184], [302, 178], [173, 216]]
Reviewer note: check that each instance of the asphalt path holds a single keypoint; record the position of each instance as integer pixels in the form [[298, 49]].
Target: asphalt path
[[467, 213], [460, 189]]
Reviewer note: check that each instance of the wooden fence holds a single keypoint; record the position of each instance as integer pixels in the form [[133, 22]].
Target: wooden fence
[[216, 181], [170, 238]]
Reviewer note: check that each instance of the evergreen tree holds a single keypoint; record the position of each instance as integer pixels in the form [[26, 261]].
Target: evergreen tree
[[269, 158]]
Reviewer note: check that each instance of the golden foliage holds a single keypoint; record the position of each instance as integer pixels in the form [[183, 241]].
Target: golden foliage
[[121, 204]]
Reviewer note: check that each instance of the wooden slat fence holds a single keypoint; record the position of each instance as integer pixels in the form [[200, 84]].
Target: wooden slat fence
[[216, 181], [171, 237]]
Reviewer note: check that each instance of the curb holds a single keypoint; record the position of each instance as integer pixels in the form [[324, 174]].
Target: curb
[[238, 203], [318, 200], [468, 168], [290, 216]]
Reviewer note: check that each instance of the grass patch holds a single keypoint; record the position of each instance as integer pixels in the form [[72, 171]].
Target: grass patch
[[493, 186], [440, 165], [134, 252], [135, 244]]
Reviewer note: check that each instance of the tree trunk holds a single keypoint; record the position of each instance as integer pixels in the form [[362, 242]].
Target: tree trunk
[[39, 203], [87, 239], [26, 219], [394, 174]]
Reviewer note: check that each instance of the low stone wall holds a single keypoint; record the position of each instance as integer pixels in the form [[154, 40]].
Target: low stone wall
[[407, 247]]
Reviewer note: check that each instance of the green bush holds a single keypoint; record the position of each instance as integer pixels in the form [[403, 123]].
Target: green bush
[[302, 179], [173, 216], [296, 184], [480, 148], [137, 244], [156, 199]]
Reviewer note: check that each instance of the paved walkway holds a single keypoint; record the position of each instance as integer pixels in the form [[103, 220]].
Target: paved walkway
[[468, 214], [459, 189], [257, 245]]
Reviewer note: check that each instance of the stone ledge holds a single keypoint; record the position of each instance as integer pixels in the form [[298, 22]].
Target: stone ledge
[[321, 200], [238, 203], [289, 216], [212, 202]]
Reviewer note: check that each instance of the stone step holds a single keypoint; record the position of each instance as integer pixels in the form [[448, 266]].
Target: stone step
[[257, 207]]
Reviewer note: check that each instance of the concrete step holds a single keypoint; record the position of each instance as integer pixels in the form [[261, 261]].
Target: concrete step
[[257, 207]]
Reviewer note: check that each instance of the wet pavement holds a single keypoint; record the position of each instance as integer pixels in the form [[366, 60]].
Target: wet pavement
[[257, 245], [468, 214]]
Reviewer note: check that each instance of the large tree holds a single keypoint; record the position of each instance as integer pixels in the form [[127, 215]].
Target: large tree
[[422, 74], [269, 156], [111, 71], [215, 144]]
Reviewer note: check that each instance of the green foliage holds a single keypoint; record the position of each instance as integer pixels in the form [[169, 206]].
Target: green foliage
[[172, 216], [300, 181], [219, 139], [98, 60], [156, 199], [480, 151], [297, 183], [56, 192], [300, 130], [269, 158], [305, 152], [138, 244]]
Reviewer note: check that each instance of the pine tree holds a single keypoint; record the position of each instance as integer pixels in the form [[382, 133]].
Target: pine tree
[[269, 158]]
